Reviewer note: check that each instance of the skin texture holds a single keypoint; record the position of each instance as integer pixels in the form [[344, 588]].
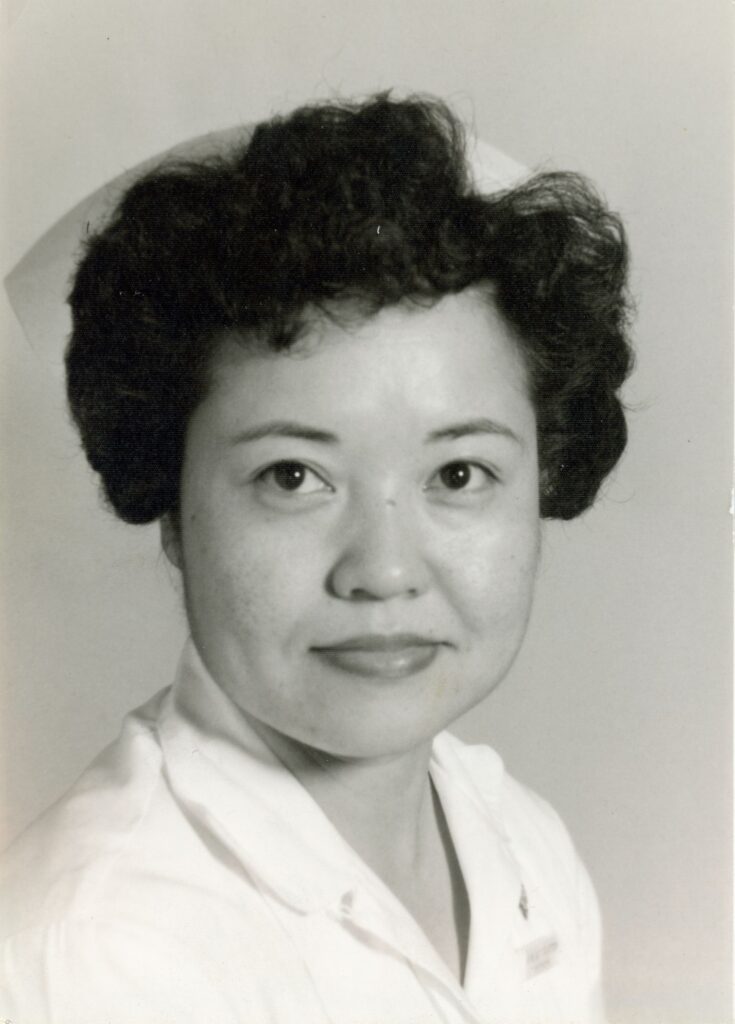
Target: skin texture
[[290, 545], [375, 539]]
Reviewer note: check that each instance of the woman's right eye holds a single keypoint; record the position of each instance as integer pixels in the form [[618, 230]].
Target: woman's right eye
[[291, 476]]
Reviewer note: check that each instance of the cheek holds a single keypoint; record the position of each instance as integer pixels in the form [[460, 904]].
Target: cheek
[[244, 579], [492, 578]]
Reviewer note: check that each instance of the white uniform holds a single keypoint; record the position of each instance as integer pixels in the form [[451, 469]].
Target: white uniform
[[188, 877]]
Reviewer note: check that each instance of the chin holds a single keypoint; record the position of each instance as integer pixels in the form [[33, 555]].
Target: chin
[[364, 738]]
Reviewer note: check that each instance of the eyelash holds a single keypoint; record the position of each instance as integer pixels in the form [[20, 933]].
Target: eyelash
[[294, 466], [465, 464]]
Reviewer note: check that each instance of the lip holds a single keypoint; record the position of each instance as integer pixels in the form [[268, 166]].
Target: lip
[[385, 656]]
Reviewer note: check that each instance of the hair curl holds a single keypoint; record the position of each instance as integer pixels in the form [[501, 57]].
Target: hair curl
[[287, 220]]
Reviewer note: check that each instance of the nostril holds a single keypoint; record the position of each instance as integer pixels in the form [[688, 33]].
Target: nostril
[[361, 594], [382, 594]]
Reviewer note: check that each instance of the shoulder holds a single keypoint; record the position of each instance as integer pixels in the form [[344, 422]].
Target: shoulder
[[114, 906], [537, 835], [74, 971], [482, 769], [61, 863], [559, 898]]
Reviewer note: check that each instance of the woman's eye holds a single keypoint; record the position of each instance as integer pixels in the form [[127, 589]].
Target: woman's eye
[[462, 476], [291, 476]]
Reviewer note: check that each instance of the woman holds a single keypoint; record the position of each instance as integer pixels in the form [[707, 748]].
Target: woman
[[349, 386]]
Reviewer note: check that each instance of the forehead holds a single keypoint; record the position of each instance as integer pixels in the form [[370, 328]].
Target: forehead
[[422, 362]]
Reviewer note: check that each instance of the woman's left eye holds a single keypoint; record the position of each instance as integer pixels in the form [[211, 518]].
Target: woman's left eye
[[467, 477], [290, 476]]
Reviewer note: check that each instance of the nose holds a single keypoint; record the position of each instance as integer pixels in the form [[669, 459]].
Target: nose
[[381, 557]]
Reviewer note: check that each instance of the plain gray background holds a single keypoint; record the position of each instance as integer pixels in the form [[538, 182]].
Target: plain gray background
[[618, 709]]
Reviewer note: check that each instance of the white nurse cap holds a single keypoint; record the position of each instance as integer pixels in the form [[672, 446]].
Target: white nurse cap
[[39, 283]]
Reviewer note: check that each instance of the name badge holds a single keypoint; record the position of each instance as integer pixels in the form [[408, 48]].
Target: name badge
[[541, 955]]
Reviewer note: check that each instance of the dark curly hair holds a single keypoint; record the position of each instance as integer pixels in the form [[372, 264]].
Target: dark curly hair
[[287, 221]]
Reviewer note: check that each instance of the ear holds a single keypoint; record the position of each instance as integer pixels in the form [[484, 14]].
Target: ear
[[171, 539]]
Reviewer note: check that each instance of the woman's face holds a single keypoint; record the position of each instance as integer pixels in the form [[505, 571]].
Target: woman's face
[[359, 525]]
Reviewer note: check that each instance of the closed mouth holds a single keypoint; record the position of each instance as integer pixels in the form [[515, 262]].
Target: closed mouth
[[386, 656], [380, 642]]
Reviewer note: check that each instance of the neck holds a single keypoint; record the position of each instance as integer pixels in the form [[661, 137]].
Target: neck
[[382, 807], [388, 812]]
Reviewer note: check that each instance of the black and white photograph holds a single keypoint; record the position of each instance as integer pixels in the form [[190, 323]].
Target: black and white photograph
[[366, 512]]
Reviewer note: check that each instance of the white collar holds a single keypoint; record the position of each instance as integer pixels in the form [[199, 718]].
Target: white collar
[[230, 781]]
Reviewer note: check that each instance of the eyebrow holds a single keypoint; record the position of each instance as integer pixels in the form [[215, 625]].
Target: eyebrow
[[468, 428], [453, 432], [285, 428]]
